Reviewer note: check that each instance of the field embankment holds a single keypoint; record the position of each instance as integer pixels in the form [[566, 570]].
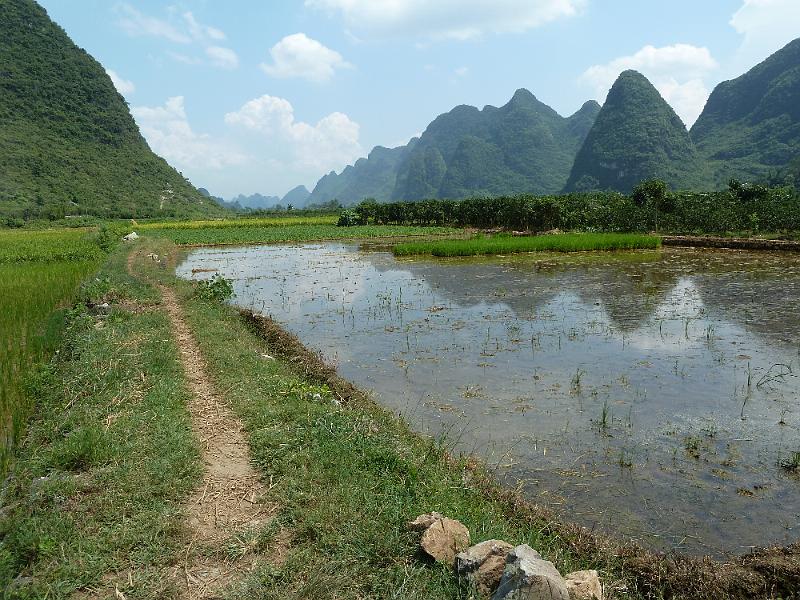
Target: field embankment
[[505, 244]]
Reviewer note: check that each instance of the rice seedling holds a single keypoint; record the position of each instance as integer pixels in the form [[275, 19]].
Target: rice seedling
[[40, 272], [505, 244]]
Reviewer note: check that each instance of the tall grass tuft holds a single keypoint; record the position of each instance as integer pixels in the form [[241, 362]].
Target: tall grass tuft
[[505, 244]]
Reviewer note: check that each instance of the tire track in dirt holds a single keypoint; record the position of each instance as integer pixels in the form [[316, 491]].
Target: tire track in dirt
[[228, 501]]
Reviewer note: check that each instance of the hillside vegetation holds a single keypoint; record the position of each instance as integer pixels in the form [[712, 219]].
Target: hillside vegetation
[[68, 144], [637, 136], [750, 127]]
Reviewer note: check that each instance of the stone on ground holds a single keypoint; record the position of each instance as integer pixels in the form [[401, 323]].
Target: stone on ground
[[422, 522], [443, 539], [484, 564], [528, 577], [584, 585]]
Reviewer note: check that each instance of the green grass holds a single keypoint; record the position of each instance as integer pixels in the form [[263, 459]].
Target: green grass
[[242, 222], [505, 244], [40, 272], [106, 462], [48, 246], [290, 233]]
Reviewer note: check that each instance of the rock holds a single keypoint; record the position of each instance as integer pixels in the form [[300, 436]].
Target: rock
[[422, 522], [484, 563], [584, 585], [528, 577], [443, 539], [131, 236]]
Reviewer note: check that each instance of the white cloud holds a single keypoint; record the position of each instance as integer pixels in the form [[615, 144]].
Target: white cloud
[[225, 58], [185, 29], [298, 55], [124, 86], [454, 19], [137, 24], [199, 31], [169, 134], [330, 144], [461, 71], [678, 72], [767, 25]]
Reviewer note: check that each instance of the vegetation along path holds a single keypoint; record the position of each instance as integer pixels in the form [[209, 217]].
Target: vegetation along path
[[229, 498]]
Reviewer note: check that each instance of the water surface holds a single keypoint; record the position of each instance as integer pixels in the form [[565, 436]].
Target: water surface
[[650, 394]]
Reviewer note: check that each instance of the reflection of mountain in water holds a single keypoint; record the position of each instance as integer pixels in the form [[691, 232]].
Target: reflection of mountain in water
[[757, 291], [628, 291]]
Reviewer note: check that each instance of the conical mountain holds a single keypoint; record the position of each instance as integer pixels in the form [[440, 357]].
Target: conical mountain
[[636, 136], [298, 197], [68, 144], [750, 126]]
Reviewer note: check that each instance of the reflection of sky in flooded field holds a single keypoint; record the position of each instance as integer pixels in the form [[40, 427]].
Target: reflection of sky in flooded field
[[651, 394]]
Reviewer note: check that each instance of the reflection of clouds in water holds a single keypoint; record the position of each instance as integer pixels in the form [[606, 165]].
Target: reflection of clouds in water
[[518, 331]]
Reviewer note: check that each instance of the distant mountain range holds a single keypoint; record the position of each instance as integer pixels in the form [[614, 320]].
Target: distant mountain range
[[296, 198], [749, 129], [68, 144]]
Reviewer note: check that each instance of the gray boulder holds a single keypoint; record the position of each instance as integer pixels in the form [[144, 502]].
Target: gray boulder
[[483, 564], [529, 577]]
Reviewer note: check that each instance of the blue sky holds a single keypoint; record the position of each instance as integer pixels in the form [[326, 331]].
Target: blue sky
[[248, 96]]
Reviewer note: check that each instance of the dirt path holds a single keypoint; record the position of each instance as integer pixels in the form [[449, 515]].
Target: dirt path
[[228, 502]]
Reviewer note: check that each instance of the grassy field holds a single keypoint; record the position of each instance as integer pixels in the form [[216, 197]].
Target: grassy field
[[100, 477], [248, 234], [40, 272], [243, 222], [506, 244]]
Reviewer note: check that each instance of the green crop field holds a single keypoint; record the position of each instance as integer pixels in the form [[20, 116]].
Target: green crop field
[[289, 232], [505, 244], [243, 222], [39, 273]]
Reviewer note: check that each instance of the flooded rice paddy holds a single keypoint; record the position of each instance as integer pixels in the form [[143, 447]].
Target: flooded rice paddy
[[652, 395]]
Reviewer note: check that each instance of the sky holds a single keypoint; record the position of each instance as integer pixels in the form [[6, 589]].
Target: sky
[[248, 96]]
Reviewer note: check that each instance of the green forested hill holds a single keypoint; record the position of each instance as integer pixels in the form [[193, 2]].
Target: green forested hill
[[524, 146], [750, 126], [637, 136], [68, 144], [371, 177]]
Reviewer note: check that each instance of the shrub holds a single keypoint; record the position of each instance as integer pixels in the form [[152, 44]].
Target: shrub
[[217, 289], [348, 218]]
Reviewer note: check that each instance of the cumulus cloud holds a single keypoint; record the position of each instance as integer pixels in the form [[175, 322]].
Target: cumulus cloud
[[298, 55], [767, 25], [678, 72], [167, 130], [124, 86], [225, 58], [442, 19], [330, 144]]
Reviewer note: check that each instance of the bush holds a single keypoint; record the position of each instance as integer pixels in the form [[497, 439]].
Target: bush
[[348, 218], [217, 289], [650, 207]]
